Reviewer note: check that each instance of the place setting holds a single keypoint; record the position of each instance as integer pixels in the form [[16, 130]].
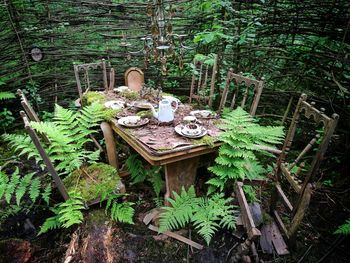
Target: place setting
[[133, 121], [190, 128]]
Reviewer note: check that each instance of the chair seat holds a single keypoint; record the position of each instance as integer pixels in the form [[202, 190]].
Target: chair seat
[[271, 240]]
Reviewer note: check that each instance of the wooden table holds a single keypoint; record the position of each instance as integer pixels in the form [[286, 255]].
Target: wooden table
[[180, 163]]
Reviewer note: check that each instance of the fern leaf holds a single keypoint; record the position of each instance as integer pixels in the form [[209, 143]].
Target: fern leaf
[[22, 187], [6, 95], [34, 190], [10, 189], [4, 179], [122, 212], [49, 224], [181, 211], [46, 194], [344, 229]]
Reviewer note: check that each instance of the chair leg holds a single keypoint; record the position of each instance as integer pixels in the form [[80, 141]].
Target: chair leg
[[299, 215], [110, 144]]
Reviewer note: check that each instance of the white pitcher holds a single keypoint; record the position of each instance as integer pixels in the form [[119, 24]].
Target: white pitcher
[[166, 111]]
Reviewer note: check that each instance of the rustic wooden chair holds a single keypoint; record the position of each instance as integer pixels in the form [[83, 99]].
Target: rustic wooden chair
[[252, 87], [30, 111], [288, 174], [134, 78], [86, 69], [203, 80]]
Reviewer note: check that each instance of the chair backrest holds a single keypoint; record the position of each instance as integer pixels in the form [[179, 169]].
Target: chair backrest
[[85, 69], [134, 78], [203, 82], [51, 169], [252, 87], [287, 172], [30, 112]]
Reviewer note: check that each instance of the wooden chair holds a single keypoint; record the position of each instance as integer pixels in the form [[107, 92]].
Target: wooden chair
[[29, 111], [134, 78], [86, 68], [203, 80], [252, 87], [299, 182]]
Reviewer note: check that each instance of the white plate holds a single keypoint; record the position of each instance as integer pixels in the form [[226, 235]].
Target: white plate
[[115, 104], [204, 114], [178, 130], [121, 89], [125, 122]]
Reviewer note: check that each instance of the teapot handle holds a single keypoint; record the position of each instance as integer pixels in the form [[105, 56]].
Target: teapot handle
[[177, 105]]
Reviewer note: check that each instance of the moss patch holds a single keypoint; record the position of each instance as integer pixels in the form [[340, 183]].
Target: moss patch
[[206, 140], [93, 96], [145, 114], [130, 94], [86, 180]]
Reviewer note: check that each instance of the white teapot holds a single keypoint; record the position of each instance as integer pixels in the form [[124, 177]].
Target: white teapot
[[166, 111]]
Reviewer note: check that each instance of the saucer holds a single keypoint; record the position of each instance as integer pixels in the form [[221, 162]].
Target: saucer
[[142, 105], [125, 122], [179, 130], [115, 104], [204, 114]]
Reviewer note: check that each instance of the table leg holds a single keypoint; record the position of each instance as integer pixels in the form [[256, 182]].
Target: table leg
[[180, 174], [110, 144]]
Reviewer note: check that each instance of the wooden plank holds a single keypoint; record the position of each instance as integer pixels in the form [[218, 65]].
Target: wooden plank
[[277, 241], [178, 237], [290, 179], [284, 198], [266, 239], [280, 223], [248, 222]]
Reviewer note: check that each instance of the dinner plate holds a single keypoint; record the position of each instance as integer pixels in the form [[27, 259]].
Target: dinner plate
[[179, 128], [115, 104], [204, 114], [125, 122]]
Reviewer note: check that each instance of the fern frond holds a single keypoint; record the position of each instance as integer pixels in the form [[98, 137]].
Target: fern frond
[[46, 194], [136, 169], [34, 190], [22, 187], [49, 224], [123, 212], [4, 179], [11, 186], [69, 212], [344, 229], [6, 95], [181, 211], [154, 176]]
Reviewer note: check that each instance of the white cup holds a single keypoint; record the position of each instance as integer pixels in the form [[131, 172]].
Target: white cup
[[189, 119], [205, 113], [192, 129]]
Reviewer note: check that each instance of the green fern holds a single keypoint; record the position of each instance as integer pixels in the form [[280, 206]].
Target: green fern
[[344, 229], [181, 210], [139, 174], [207, 214], [237, 159], [46, 194], [11, 186], [22, 187], [119, 211], [6, 95], [67, 213], [34, 190]]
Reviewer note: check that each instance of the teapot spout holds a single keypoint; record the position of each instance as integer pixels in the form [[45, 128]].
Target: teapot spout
[[155, 114]]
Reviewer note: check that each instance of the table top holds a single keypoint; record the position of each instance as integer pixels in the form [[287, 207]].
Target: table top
[[159, 144]]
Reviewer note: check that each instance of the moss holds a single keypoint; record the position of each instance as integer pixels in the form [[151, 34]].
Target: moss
[[131, 95], [206, 140], [97, 216], [145, 114], [110, 114], [93, 96], [86, 180]]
